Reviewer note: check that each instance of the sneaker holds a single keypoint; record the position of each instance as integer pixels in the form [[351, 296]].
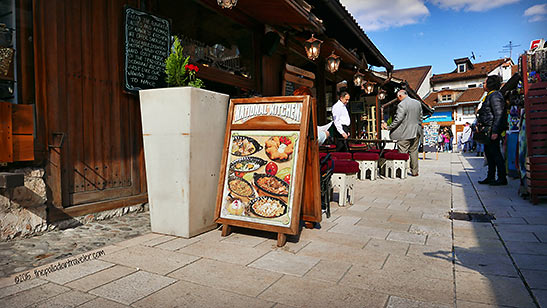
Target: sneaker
[[487, 181]]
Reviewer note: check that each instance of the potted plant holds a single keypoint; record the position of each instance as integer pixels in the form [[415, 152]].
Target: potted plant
[[183, 131]]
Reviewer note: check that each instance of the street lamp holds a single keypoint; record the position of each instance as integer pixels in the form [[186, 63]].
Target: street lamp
[[333, 62], [313, 47], [381, 94], [358, 79], [227, 4], [369, 87]]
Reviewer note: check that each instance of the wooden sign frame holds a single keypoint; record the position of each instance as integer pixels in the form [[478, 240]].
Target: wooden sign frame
[[262, 120]]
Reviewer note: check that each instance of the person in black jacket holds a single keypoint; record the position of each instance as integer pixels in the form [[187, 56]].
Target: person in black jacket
[[492, 114]]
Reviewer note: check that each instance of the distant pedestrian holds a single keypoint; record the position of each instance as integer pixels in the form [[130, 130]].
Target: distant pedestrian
[[446, 141], [492, 115], [406, 128], [466, 137]]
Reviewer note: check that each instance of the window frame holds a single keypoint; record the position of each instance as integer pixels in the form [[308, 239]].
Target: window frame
[[471, 108]]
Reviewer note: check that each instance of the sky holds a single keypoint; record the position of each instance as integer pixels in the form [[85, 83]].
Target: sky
[[411, 33]]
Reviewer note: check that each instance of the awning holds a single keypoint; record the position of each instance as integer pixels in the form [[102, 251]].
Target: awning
[[440, 116]]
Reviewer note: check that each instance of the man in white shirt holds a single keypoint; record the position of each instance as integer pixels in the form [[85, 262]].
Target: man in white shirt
[[341, 119]]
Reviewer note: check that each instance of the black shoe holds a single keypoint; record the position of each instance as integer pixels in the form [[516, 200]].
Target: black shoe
[[487, 181], [499, 182]]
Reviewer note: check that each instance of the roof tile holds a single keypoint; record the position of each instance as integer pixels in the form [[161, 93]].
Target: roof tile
[[415, 76], [480, 69], [471, 95]]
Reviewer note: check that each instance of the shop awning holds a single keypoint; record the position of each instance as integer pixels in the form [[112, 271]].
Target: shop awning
[[440, 116]]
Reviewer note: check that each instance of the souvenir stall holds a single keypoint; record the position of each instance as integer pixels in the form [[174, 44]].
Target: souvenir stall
[[533, 67]]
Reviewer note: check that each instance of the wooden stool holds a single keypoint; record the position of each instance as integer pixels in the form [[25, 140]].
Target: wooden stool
[[394, 163], [344, 177], [368, 164]]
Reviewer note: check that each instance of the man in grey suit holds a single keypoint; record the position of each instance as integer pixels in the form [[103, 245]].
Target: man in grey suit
[[407, 128]]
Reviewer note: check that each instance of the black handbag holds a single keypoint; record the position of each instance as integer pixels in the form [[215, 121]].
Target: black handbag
[[482, 134]]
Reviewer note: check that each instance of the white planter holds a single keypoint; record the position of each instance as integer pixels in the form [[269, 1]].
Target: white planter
[[183, 130]]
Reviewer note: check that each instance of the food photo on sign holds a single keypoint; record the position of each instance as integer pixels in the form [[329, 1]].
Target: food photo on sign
[[258, 186]]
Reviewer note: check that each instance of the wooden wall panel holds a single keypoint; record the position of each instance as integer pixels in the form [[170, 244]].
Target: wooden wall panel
[[23, 119], [272, 69], [79, 90], [115, 56], [74, 95], [6, 143], [23, 147]]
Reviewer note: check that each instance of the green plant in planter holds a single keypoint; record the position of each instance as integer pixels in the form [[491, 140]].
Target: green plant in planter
[[179, 72]]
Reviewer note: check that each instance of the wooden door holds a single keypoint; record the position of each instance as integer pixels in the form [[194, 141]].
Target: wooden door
[[93, 133]]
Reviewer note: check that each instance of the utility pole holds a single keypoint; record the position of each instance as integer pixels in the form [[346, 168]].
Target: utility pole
[[509, 48]]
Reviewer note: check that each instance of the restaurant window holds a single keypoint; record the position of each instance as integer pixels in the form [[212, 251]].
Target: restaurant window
[[210, 38], [446, 98], [468, 110], [461, 68]]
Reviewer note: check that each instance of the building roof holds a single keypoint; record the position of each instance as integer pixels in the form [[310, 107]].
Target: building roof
[[415, 76], [471, 95], [340, 24], [480, 69], [431, 100]]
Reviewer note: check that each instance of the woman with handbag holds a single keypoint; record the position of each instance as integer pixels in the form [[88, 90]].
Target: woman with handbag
[[491, 123]]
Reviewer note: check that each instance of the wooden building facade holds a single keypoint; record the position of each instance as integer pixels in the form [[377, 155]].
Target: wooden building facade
[[88, 133]]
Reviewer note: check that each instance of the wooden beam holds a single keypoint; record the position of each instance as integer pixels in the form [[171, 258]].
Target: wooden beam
[[56, 214], [6, 142]]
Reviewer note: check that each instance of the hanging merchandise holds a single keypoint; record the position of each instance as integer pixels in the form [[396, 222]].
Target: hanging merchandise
[[6, 57], [5, 36]]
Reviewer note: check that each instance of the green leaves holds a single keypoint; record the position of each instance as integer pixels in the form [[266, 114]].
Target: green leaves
[[176, 68]]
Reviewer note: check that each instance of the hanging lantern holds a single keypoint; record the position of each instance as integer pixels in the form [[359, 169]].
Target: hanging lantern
[[313, 47], [382, 94], [333, 62], [358, 79], [369, 87], [227, 4]]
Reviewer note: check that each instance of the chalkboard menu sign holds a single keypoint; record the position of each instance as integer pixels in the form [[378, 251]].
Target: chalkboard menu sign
[[147, 43], [289, 88]]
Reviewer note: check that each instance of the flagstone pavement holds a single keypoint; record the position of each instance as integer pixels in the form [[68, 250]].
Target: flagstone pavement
[[394, 247]]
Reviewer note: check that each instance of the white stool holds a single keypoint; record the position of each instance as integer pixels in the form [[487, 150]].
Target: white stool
[[394, 166], [344, 182], [366, 166]]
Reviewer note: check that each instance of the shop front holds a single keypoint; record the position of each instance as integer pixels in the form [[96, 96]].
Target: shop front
[[87, 134]]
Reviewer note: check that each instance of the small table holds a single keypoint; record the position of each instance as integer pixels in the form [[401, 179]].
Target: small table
[[380, 143]]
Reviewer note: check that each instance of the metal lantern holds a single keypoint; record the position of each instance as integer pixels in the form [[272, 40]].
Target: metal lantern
[[227, 4], [333, 62], [313, 47], [369, 87], [358, 79], [382, 94]]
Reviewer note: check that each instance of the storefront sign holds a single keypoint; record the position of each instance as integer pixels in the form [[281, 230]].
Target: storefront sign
[[264, 163], [290, 112], [147, 43], [537, 44]]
